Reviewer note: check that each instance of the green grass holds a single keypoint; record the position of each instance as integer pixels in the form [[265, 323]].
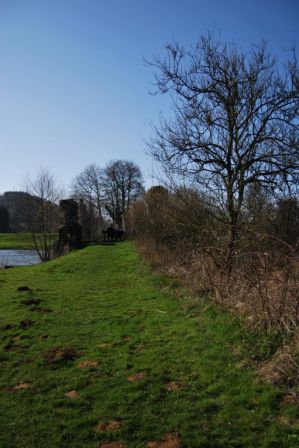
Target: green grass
[[16, 241], [112, 309]]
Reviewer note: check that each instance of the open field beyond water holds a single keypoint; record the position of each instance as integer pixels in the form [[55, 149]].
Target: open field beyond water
[[95, 348], [16, 241]]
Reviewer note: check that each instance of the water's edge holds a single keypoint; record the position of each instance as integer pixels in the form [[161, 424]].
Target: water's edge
[[18, 257]]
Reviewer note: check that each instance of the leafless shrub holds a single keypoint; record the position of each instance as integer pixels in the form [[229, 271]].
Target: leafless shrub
[[182, 233], [263, 287]]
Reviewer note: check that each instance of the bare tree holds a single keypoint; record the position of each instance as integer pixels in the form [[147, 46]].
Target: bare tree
[[122, 184], [88, 186], [43, 196], [234, 123]]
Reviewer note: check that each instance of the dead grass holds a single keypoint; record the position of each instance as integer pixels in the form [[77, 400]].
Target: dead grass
[[262, 288], [137, 377], [112, 425], [22, 386], [283, 367], [169, 440], [87, 363], [172, 385]]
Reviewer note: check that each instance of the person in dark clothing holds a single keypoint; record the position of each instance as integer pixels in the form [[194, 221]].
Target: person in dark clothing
[[110, 233]]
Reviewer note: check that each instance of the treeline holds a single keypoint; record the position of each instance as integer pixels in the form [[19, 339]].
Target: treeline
[[107, 193]]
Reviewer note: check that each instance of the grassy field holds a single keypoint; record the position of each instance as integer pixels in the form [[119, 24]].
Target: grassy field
[[16, 241], [98, 349]]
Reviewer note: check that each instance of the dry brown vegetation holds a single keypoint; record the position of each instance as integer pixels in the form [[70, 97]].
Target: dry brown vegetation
[[185, 235]]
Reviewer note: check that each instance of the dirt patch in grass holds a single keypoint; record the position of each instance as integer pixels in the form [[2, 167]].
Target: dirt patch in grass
[[127, 338], [172, 385], [24, 288], [72, 394], [112, 425], [58, 354], [137, 377], [105, 346], [88, 363], [169, 440], [26, 323], [22, 386], [113, 445], [30, 301], [140, 349]]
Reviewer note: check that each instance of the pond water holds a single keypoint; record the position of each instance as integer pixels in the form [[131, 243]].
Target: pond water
[[13, 257]]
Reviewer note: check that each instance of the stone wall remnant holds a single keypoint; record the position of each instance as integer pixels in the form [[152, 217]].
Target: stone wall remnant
[[70, 231]]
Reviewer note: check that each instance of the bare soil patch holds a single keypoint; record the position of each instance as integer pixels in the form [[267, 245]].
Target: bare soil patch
[[112, 425], [22, 386], [57, 354], [169, 440], [172, 385], [105, 346], [26, 323], [137, 377], [72, 394], [24, 288], [88, 363]]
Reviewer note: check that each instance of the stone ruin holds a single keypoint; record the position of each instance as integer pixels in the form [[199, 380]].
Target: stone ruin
[[70, 231]]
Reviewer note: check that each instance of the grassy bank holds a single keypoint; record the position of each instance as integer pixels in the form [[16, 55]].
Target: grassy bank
[[96, 349], [16, 241]]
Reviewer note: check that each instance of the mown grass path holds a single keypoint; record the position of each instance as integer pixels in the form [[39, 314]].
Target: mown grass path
[[106, 353]]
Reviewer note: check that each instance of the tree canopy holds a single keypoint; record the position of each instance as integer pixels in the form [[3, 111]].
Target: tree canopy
[[234, 121]]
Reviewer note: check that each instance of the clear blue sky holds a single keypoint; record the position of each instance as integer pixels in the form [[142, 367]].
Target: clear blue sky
[[73, 85]]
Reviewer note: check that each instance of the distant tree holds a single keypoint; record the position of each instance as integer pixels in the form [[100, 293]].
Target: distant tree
[[87, 188], [42, 211], [122, 184], [4, 220], [234, 123], [87, 185]]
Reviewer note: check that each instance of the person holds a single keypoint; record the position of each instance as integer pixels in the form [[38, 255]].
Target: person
[[110, 233], [119, 233]]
